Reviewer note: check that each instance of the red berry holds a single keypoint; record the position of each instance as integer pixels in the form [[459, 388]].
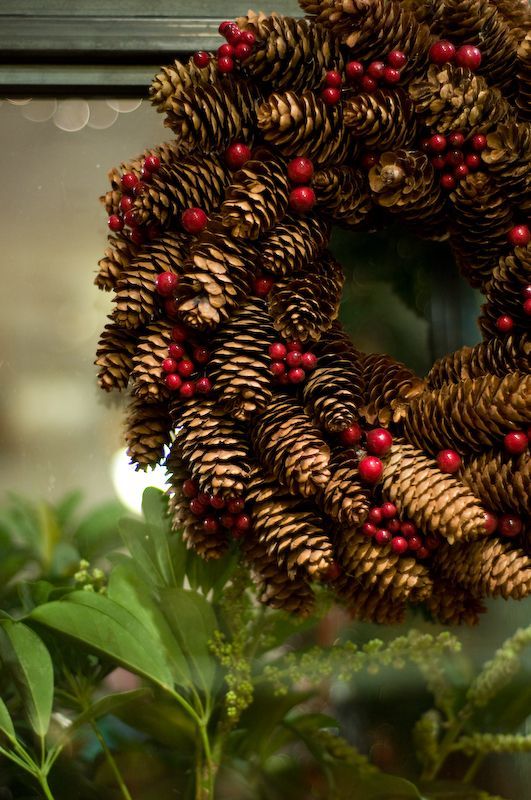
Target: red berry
[[449, 461], [438, 162], [131, 218], [454, 158], [173, 382], [526, 292], [389, 510], [224, 26], [139, 189], [210, 525], [217, 501], [300, 170], [166, 283], [187, 389], [510, 525], [136, 236], [333, 78], [152, 162], [189, 488], [368, 84], [200, 355], [201, 59], [442, 51], [423, 552], [333, 572], [432, 542], [408, 529], [331, 96], [461, 171], [505, 323], [242, 51], [393, 525], [277, 351], [129, 181], [354, 70], [308, 361], [399, 545], [242, 522], [294, 345], [170, 307], [437, 143], [369, 529], [235, 505], [126, 202], [225, 64], [115, 222], [283, 379], [228, 520], [527, 307], [397, 59], [414, 543], [237, 154], [370, 469], [491, 522], [473, 161], [302, 199], [379, 441], [170, 365], [376, 70], [352, 435], [383, 536], [375, 515], [185, 368], [194, 220], [478, 142], [179, 333], [519, 236], [203, 385], [456, 139], [248, 37], [515, 442], [296, 375], [468, 56], [233, 34], [369, 160], [197, 507], [293, 358], [262, 286], [391, 75], [277, 368], [448, 181]]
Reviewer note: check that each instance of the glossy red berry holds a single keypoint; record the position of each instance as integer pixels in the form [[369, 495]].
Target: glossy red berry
[[491, 522], [422, 552], [126, 202], [379, 441], [131, 218], [333, 78], [526, 292], [224, 26], [375, 515], [203, 385], [129, 181], [217, 502], [277, 351], [225, 64], [201, 355], [352, 435], [354, 71], [179, 333], [210, 525], [408, 529], [300, 170], [368, 84], [237, 154], [414, 543], [448, 461], [115, 223], [515, 442], [437, 143], [302, 199], [242, 522], [242, 51], [169, 365], [248, 37], [166, 283], [519, 236], [478, 142], [442, 51], [333, 572], [331, 96], [308, 361], [369, 160], [187, 389], [293, 358], [527, 307], [296, 375], [438, 162], [505, 323], [370, 469], [277, 368], [393, 525], [262, 286], [369, 529], [197, 507], [201, 59], [399, 545], [235, 505], [382, 536], [228, 520], [173, 382], [448, 181], [233, 34], [185, 368], [190, 488], [391, 75], [454, 158], [461, 171], [389, 510], [432, 542], [376, 70], [194, 220], [170, 307], [468, 56], [294, 345], [397, 59], [510, 525], [456, 139], [473, 161]]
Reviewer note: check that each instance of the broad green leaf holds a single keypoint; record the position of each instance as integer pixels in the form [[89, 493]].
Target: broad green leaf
[[110, 704], [98, 533], [50, 533], [6, 723], [127, 588], [135, 536], [104, 626], [29, 662], [389, 787], [163, 721], [155, 510], [262, 719], [193, 622]]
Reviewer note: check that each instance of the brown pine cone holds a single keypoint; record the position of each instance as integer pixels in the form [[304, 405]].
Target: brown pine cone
[[389, 387], [256, 199], [471, 415], [435, 501], [451, 604], [385, 118], [303, 123], [147, 431], [504, 292], [114, 356], [293, 245], [239, 365], [212, 446], [487, 568], [275, 588], [502, 483], [136, 290], [523, 67], [217, 277], [367, 604], [176, 79], [508, 157], [517, 15], [304, 306], [152, 349], [116, 260], [290, 447], [498, 356], [342, 194], [481, 219], [344, 498]]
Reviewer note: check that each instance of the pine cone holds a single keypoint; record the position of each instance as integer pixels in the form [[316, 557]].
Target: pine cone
[[489, 567], [344, 498], [174, 80], [256, 199], [116, 260], [342, 193], [382, 119], [152, 349], [501, 483], [168, 154], [293, 245], [368, 604], [275, 587], [136, 290], [303, 123], [435, 501], [389, 387], [114, 357], [240, 361], [523, 67], [498, 356], [147, 431], [508, 157], [304, 307], [450, 604], [504, 292], [481, 219], [517, 16], [290, 447], [470, 415]]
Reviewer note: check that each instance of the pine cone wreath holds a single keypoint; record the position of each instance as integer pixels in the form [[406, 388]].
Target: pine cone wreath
[[326, 466]]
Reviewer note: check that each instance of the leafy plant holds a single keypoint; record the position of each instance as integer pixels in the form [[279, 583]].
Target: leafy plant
[[217, 695]]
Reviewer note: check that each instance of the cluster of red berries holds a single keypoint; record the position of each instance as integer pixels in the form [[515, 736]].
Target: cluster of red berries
[[384, 527], [301, 198], [289, 363], [377, 72], [133, 186], [507, 525], [453, 156], [214, 512], [239, 46], [179, 367], [331, 93], [505, 323], [443, 52], [378, 442]]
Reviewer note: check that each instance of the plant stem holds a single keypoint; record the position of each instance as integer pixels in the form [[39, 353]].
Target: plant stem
[[43, 781], [444, 750], [111, 761], [470, 774]]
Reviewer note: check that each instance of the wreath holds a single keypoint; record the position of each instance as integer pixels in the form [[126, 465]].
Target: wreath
[[327, 465]]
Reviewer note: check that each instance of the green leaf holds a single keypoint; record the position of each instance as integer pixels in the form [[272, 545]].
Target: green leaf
[[110, 704], [98, 532], [6, 723], [135, 536], [155, 510], [104, 626], [163, 721], [67, 506], [29, 662], [388, 787], [50, 533]]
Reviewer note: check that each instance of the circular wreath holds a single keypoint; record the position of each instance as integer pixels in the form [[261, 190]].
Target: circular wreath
[[326, 464]]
